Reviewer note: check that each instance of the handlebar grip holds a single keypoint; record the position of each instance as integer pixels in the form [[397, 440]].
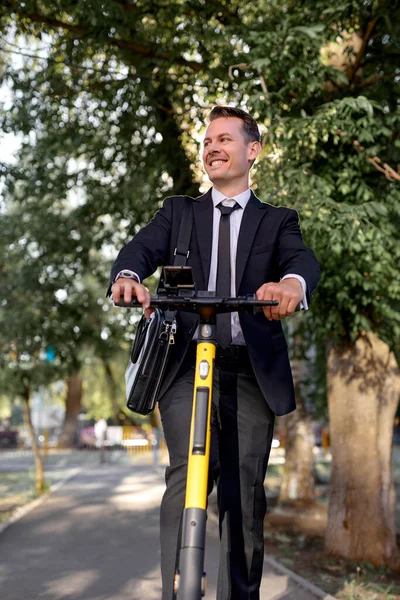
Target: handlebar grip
[[132, 304]]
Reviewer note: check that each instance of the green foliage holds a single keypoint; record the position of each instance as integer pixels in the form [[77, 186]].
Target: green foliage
[[108, 100], [96, 396], [51, 298], [107, 89], [327, 122], [5, 408], [101, 96]]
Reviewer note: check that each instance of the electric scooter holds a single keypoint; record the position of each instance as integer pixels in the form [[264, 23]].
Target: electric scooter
[[179, 294]]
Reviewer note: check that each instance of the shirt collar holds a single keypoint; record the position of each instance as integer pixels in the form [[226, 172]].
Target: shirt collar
[[242, 199]]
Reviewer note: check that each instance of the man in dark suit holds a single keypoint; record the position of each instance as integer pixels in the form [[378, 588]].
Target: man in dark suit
[[263, 247]]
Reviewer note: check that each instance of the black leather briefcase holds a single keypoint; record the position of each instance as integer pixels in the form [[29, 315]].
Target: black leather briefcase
[[155, 337], [149, 358]]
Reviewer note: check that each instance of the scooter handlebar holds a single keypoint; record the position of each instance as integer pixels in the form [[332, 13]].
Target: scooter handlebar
[[195, 303]]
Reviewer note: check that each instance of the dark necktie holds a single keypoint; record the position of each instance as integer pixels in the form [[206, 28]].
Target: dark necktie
[[224, 335]]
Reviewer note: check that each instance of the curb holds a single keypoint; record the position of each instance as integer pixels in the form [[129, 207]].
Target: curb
[[313, 589], [310, 587], [27, 508]]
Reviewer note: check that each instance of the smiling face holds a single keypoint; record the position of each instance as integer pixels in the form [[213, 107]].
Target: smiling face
[[227, 155]]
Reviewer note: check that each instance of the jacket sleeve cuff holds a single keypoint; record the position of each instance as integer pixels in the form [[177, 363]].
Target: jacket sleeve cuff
[[128, 274], [303, 304]]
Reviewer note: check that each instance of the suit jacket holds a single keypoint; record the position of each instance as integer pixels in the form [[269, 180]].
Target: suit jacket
[[269, 246]]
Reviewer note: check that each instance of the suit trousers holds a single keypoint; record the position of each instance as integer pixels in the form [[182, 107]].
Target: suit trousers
[[241, 435]]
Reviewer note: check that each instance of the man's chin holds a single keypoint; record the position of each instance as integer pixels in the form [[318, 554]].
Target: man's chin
[[215, 177]]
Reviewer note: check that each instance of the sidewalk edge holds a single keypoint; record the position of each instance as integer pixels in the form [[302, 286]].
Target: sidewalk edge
[[313, 589], [298, 579], [27, 508]]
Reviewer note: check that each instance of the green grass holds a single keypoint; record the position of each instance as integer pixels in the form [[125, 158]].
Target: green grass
[[20, 484], [16, 489], [367, 591]]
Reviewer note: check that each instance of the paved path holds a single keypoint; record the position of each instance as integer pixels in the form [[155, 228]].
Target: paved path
[[96, 538]]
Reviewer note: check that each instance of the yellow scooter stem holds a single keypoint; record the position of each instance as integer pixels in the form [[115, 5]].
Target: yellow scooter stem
[[190, 579]]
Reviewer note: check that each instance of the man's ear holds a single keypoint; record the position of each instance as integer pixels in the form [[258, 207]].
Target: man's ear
[[253, 150]]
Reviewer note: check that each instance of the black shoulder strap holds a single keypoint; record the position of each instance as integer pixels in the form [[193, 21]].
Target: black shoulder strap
[[184, 235]]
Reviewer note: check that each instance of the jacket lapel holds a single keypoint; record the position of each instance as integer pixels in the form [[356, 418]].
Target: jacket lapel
[[252, 216], [203, 219]]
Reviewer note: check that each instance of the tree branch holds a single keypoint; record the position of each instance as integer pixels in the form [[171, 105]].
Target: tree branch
[[146, 51], [74, 66], [239, 66], [375, 78], [361, 52], [384, 168]]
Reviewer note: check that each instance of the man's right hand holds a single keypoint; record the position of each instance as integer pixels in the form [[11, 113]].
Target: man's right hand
[[125, 288]]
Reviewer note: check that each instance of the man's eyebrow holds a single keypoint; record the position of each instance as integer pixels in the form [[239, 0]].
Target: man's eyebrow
[[219, 135]]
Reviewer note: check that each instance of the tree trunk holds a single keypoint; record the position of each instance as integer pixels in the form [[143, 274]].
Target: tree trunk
[[298, 476], [72, 410], [180, 170], [39, 472], [119, 417], [112, 390], [363, 393]]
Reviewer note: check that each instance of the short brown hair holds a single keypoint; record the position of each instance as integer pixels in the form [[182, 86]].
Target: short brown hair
[[251, 132]]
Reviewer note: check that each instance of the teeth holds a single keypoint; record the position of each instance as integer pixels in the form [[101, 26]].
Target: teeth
[[217, 162]]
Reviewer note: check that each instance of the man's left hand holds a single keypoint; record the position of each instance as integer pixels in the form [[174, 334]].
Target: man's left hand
[[289, 294]]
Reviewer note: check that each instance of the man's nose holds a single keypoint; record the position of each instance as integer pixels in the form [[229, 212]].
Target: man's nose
[[214, 147]]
